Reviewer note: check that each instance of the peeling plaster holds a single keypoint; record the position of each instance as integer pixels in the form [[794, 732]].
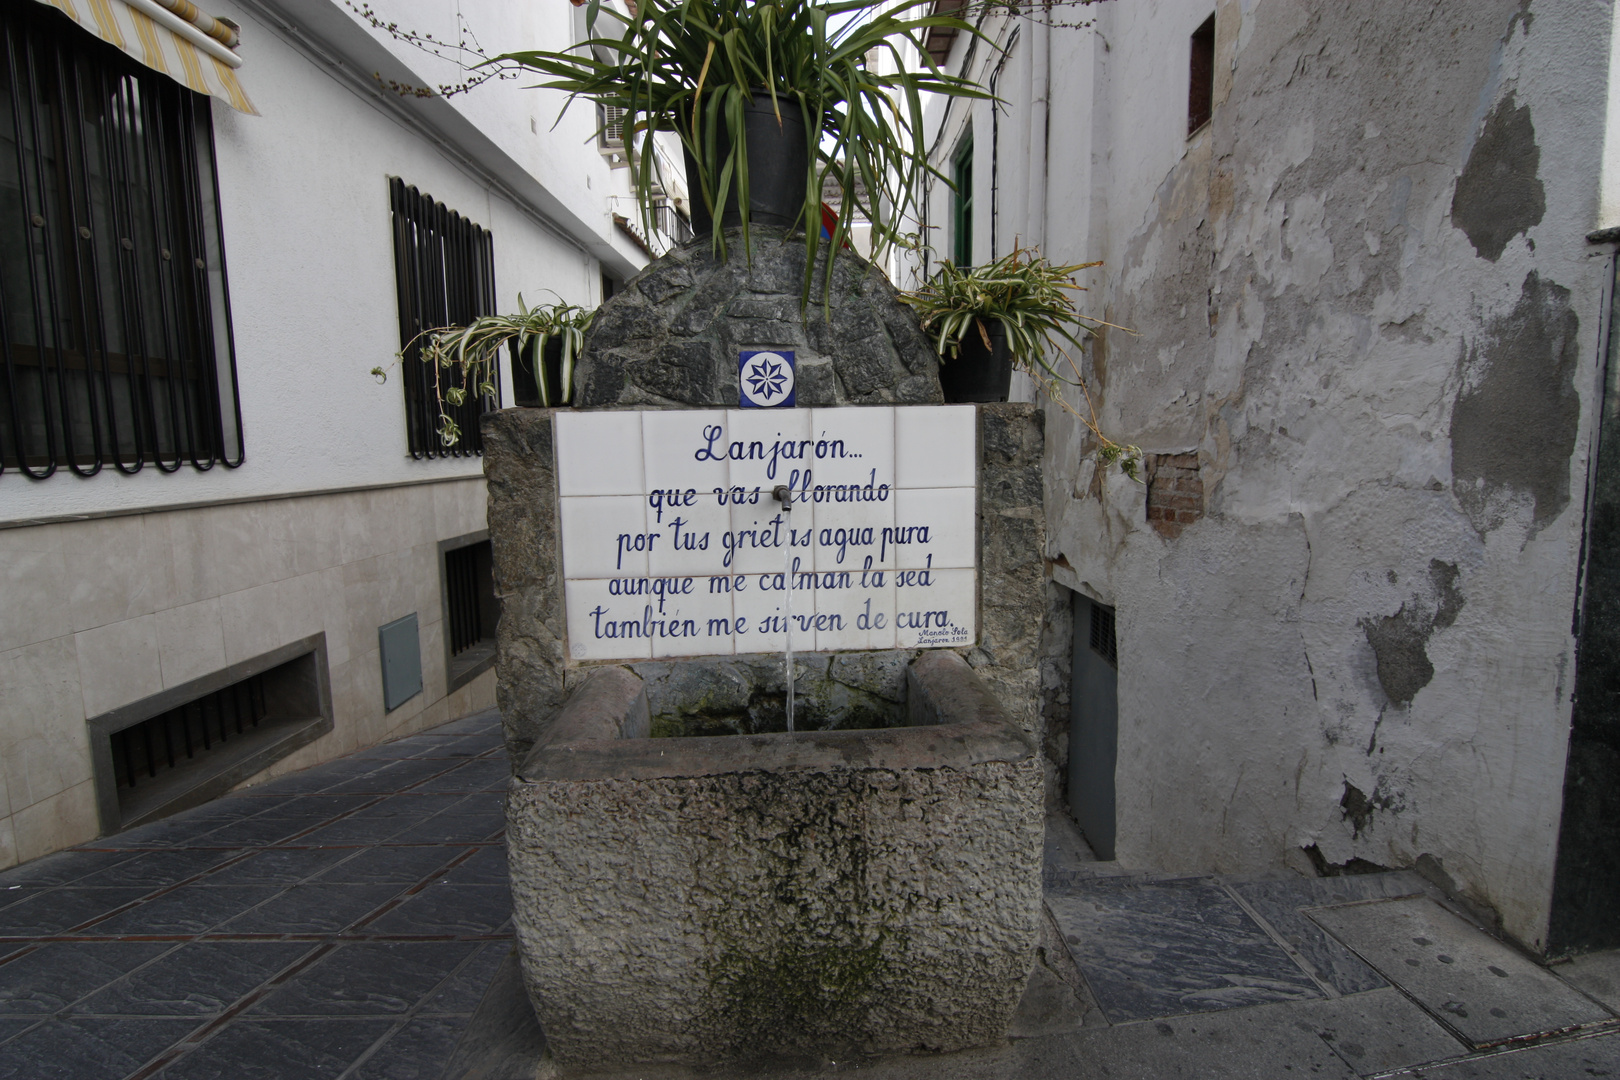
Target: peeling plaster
[[1400, 641], [1513, 426], [1387, 421], [1499, 194]]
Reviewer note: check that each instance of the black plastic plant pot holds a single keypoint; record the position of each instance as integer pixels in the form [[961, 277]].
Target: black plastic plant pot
[[977, 373], [525, 388], [777, 164]]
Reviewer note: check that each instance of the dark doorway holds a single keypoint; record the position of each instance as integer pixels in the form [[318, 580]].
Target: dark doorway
[[1586, 878], [1094, 723]]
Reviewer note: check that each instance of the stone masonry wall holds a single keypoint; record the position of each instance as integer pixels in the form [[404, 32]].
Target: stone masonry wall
[[671, 336], [670, 340]]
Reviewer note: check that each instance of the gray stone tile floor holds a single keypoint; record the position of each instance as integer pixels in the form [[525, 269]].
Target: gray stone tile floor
[[352, 921], [344, 921]]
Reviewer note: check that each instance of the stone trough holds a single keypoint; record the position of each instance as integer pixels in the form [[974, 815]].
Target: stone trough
[[694, 899], [693, 883]]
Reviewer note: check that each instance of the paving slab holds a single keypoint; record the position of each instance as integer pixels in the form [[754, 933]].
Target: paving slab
[[281, 1049], [1469, 981], [1563, 1060], [55, 975], [89, 1048], [1377, 1031], [189, 909], [62, 909], [366, 979], [1596, 973], [196, 979], [1163, 948], [1278, 901]]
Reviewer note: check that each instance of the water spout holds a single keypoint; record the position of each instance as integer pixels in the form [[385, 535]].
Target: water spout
[[784, 495]]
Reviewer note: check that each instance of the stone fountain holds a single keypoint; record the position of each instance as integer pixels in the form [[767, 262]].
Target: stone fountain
[[692, 882]]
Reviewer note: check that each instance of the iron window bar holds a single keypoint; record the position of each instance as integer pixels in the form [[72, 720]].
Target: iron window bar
[[142, 752], [115, 333], [444, 275]]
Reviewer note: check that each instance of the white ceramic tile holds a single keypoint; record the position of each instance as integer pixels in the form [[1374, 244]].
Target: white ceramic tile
[[695, 623], [854, 445], [934, 527], [762, 533], [692, 535], [684, 449], [851, 533], [760, 609], [935, 608], [935, 446], [765, 445], [601, 534], [853, 611], [602, 626], [599, 453]]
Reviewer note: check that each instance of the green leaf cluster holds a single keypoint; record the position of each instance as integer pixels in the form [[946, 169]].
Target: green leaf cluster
[[464, 359], [1032, 298], [690, 67]]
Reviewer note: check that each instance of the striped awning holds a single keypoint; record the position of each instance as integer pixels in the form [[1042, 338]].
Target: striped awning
[[171, 36]]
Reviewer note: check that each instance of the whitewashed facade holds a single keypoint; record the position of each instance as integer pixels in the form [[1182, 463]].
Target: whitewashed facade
[[1365, 370], [120, 587]]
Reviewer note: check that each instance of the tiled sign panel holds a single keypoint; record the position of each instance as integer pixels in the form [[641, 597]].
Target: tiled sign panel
[[674, 545]]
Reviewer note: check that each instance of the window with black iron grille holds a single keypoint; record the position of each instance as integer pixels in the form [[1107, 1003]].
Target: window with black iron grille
[[1102, 634], [444, 272], [471, 610], [115, 333]]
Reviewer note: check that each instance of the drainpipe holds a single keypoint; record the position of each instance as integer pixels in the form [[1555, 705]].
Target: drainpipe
[[1040, 79]]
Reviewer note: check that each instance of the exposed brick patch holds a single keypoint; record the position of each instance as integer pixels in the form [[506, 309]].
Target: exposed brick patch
[[1175, 492]]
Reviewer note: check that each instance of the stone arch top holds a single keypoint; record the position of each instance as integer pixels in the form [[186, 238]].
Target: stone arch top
[[672, 335]]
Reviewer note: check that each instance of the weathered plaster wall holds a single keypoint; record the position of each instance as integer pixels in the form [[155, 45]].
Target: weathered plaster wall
[[1363, 298]]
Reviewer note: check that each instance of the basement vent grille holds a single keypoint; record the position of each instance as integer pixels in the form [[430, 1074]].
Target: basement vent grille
[[196, 741], [1102, 634], [144, 752]]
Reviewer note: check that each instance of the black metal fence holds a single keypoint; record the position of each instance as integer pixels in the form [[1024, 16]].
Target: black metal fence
[[153, 747], [115, 333], [444, 270]]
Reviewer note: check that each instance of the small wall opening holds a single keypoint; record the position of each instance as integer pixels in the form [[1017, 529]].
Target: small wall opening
[[195, 742], [471, 609], [1201, 77]]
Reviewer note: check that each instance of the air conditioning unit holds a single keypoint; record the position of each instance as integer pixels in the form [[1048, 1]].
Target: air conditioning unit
[[610, 137]]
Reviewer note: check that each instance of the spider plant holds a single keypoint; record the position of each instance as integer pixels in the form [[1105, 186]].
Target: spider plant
[[464, 359], [690, 67], [1033, 300]]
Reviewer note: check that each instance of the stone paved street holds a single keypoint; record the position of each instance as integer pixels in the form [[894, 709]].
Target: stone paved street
[[353, 921], [341, 921]]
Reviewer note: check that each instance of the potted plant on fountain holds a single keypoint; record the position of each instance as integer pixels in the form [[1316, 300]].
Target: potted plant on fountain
[[768, 99], [544, 340], [986, 320]]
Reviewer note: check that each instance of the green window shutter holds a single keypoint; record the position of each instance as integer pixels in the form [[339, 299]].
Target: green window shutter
[[962, 203]]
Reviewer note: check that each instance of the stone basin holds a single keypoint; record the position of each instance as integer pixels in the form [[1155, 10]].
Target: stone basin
[[696, 899]]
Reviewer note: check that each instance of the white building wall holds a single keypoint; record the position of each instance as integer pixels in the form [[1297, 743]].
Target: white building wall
[[1316, 325], [118, 587]]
